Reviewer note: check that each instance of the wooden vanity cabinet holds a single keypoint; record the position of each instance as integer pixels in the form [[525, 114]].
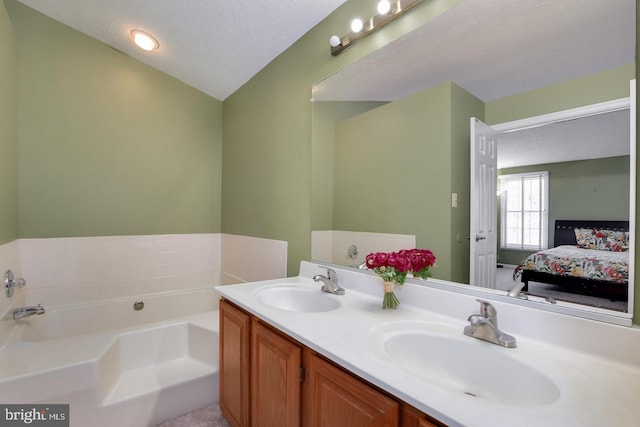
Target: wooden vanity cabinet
[[235, 327], [335, 398], [268, 379], [411, 417], [276, 364]]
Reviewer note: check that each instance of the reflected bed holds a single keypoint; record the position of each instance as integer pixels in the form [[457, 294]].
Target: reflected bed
[[596, 262]]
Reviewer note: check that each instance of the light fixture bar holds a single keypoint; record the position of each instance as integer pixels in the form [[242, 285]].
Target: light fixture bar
[[398, 8]]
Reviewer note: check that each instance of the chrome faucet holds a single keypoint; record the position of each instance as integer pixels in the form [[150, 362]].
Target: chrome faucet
[[22, 312], [11, 283], [330, 282], [484, 326], [514, 292]]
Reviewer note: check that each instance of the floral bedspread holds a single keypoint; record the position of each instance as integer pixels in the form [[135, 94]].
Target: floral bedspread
[[572, 261]]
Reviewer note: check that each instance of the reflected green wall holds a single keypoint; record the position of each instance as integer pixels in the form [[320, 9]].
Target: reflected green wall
[[585, 189], [109, 145], [591, 89], [325, 115], [395, 170], [8, 130]]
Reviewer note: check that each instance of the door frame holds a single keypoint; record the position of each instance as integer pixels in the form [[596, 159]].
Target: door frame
[[586, 111]]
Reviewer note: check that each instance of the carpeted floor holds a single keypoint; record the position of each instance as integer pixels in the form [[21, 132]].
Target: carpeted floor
[[209, 416]]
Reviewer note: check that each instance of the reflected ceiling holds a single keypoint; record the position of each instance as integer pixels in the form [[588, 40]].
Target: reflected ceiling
[[593, 137], [494, 48]]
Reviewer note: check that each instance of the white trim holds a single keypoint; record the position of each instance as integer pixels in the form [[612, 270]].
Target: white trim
[[632, 197], [561, 116]]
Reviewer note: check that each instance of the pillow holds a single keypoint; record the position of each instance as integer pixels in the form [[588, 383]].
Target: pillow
[[585, 238], [602, 240]]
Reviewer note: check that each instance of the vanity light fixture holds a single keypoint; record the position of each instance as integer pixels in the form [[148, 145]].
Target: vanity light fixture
[[144, 40], [387, 12], [384, 7], [356, 25]]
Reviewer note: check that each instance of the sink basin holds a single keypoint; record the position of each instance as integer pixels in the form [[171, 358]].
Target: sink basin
[[468, 366], [300, 298]]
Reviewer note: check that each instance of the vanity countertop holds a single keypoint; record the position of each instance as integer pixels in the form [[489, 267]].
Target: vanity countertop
[[593, 383]]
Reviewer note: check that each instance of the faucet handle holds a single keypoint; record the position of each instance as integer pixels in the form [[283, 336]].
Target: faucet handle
[[11, 283], [489, 311], [331, 274]]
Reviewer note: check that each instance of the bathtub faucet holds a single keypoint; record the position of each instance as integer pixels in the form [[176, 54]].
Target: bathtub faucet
[[22, 312], [11, 283]]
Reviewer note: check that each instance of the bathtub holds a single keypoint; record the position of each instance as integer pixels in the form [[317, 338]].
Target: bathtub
[[112, 363]]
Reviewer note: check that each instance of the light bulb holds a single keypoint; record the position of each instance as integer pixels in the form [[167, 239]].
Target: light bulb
[[384, 7], [356, 25], [144, 40], [335, 41]]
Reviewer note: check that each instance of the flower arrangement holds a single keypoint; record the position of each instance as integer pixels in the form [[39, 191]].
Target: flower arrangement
[[393, 268]]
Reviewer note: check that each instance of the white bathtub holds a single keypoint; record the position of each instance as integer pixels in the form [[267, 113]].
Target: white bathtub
[[114, 365]]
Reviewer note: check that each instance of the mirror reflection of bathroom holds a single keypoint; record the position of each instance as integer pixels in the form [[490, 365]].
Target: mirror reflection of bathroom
[[391, 165]]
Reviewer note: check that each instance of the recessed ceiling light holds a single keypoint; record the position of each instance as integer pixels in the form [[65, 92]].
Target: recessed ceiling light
[[144, 40]]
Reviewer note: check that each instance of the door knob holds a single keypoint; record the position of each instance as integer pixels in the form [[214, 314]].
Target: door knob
[[479, 237]]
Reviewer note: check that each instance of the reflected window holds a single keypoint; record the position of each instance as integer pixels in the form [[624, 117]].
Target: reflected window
[[524, 213]]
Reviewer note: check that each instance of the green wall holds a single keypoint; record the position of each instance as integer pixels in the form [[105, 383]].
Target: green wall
[[380, 155], [585, 189], [395, 172], [267, 130], [324, 118], [463, 107], [91, 163], [108, 145], [591, 89], [8, 130]]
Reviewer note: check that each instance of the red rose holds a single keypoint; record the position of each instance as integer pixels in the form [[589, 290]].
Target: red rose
[[403, 263], [392, 259], [378, 259]]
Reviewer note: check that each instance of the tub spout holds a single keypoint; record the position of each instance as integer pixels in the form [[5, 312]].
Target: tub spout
[[23, 312]]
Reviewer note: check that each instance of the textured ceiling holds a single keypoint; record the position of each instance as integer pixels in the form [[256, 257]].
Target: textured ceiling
[[213, 45], [494, 48], [592, 137]]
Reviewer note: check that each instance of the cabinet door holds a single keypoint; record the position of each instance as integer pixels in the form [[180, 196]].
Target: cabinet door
[[234, 364], [411, 417], [275, 378], [334, 398]]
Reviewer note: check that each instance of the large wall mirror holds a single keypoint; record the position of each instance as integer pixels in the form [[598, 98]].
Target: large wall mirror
[[391, 137]]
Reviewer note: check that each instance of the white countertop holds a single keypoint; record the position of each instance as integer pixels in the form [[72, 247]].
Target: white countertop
[[595, 387]]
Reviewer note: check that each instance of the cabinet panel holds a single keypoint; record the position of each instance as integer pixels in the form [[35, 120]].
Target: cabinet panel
[[334, 398], [275, 378], [411, 417], [234, 364]]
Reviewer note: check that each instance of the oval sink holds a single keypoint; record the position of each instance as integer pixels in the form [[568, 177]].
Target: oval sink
[[298, 298], [465, 365]]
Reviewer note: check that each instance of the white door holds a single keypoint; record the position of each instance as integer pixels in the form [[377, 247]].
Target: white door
[[484, 219]]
